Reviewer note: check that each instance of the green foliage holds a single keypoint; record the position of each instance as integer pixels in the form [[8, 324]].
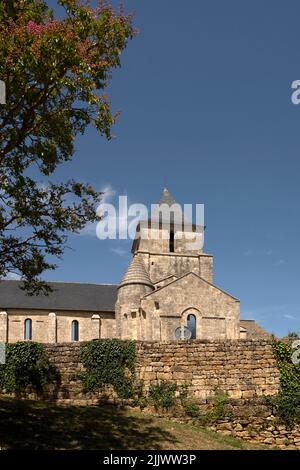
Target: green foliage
[[26, 365], [109, 362], [140, 399], [162, 395], [286, 405], [56, 71], [220, 399], [183, 392], [289, 372], [166, 395], [293, 334], [190, 406]]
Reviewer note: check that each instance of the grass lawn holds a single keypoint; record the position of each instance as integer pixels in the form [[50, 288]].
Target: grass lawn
[[37, 425]]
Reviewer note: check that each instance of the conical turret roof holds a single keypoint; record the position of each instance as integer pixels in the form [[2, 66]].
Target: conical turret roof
[[136, 273]]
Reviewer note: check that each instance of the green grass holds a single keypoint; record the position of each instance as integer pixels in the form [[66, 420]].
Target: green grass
[[39, 425]]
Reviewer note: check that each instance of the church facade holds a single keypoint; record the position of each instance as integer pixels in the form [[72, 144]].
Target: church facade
[[167, 293]]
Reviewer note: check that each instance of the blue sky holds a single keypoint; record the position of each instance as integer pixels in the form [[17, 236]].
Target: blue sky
[[205, 99]]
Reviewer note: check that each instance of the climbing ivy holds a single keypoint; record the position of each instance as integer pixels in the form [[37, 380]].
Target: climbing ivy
[[286, 404], [109, 362], [26, 365]]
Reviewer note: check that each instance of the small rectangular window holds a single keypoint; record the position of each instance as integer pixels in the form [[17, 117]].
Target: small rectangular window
[[171, 241]]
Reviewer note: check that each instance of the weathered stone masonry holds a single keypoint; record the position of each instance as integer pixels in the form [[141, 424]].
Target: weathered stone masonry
[[244, 369]]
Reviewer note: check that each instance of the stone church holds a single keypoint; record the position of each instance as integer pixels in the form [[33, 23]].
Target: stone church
[[167, 286]]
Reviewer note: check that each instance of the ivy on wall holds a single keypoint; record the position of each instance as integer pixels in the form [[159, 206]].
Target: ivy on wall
[[109, 362], [26, 365], [286, 404]]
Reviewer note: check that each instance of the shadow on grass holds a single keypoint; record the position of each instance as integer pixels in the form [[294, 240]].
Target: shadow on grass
[[36, 425]]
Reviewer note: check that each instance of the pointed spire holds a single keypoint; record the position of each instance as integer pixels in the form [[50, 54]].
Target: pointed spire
[[166, 197], [136, 273]]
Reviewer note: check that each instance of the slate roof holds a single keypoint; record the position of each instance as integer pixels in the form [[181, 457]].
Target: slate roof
[[65, 296]]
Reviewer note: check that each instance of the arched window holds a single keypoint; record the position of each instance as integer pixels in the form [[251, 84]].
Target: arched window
[[28, 329], [191, 324], [75, 330]]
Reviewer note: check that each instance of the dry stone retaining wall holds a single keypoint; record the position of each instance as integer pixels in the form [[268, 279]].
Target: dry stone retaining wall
[[261, 429], [245, 369]]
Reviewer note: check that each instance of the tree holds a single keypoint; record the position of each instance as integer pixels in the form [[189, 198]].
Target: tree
[[55, 72]]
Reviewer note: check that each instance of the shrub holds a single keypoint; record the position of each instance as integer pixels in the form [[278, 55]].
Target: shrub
[[163, 395], [220, 400], [190, 406]]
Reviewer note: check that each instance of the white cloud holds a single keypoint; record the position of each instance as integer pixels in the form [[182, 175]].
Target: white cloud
[[108, 195], [119, 216], [119, 251], [290, 317], [12, 277]]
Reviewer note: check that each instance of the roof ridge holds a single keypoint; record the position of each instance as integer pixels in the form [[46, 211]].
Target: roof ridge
[[200, 277], [62, 282]]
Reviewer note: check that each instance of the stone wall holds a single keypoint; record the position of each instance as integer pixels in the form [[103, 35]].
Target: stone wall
[[246, 370], [51, 327], [250, 420], [217, 313], [255, 423], [158, 264]]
